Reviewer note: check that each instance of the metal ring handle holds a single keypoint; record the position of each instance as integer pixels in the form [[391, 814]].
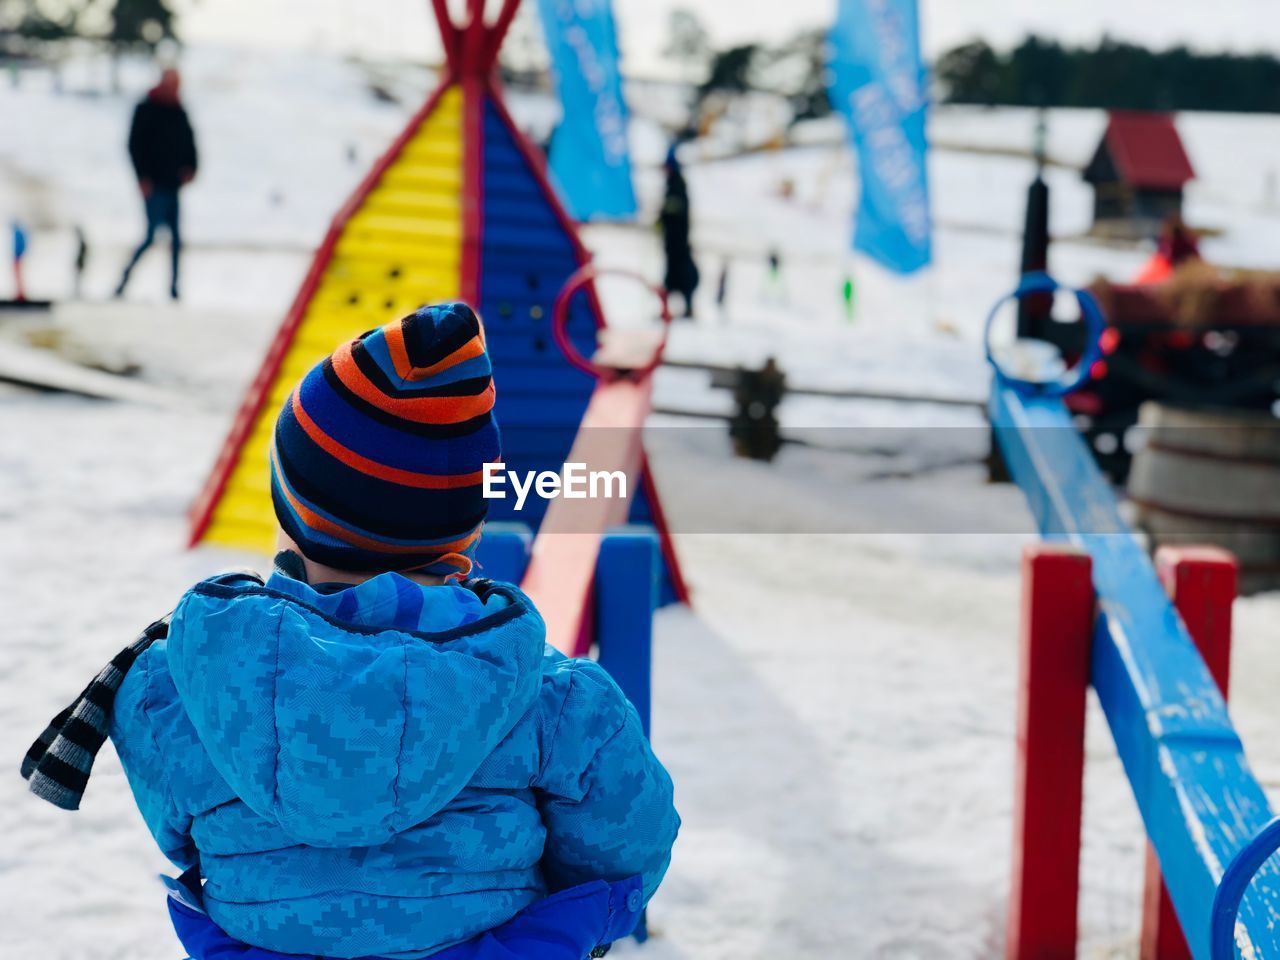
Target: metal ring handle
[[1231, 889], [1033, 284], [584, 275]]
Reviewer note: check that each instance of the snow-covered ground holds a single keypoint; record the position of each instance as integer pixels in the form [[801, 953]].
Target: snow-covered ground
[[837, 710]]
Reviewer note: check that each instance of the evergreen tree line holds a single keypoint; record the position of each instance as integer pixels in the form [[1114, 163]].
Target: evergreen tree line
[[121, 23], [1113, 74], [795, 68]]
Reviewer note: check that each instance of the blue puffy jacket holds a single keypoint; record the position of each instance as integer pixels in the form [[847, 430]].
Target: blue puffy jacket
[[386, 769]]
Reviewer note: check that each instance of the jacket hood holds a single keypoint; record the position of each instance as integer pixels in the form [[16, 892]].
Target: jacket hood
[[340, 728]]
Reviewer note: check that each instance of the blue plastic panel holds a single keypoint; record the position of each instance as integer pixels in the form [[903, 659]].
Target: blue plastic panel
[[526, 257], [503, 553]]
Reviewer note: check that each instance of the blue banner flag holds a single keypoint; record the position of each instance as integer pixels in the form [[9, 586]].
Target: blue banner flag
[[880, 85], [590, 160]]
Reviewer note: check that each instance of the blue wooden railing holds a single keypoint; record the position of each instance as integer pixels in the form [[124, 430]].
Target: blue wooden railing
[[1204, 811]]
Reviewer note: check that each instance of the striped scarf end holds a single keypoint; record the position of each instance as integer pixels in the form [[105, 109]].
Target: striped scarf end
[[36, 752], [58, 764], [46, 788]]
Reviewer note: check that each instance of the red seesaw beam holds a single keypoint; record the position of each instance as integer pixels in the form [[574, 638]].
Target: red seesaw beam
[[562, 564]]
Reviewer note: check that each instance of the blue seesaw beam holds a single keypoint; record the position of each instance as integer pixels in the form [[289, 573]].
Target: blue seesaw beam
[[1198, 798]]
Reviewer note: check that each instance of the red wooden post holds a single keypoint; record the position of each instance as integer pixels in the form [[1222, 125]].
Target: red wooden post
[[1056, 634], [1201, 581]]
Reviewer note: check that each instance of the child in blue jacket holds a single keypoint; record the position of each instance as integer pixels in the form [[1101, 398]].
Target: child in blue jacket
[[369, 755]]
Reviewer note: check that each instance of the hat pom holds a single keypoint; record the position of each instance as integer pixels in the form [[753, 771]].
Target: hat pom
[[436, 332]]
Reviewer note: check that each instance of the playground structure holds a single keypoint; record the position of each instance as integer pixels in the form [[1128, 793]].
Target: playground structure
[[459, 208], [1206, 816]]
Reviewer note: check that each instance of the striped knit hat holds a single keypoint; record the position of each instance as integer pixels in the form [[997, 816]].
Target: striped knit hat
[[378, 455]]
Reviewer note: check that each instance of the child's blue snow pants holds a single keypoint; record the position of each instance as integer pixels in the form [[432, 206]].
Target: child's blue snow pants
[[567, 925]]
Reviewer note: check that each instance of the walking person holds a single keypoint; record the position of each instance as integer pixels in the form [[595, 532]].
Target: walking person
[[162, 147], [682, 273]]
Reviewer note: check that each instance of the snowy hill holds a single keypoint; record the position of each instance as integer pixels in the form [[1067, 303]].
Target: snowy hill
[[837, 711]]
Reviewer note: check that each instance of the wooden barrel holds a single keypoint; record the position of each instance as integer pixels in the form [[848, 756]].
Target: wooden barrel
[[1202, 476]]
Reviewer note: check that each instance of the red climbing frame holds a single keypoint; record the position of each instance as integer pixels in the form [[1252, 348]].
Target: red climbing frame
[[471, 49]]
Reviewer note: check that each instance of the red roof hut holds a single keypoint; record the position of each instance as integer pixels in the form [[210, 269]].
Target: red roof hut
[[1138, 173]]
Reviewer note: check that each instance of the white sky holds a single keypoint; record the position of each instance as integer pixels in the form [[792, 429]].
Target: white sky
[[403, 28]]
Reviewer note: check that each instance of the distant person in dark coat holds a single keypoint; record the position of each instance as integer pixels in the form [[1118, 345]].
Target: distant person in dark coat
[[682, 273], [163, 150]]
